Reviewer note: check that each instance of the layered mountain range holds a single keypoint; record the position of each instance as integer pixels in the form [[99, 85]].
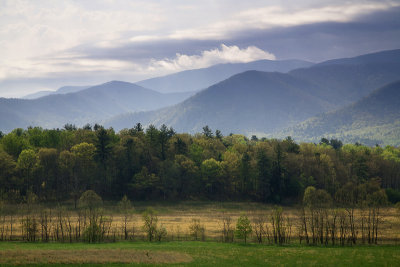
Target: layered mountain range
[[91, 105], [353, 99], [95, 104], [375, 119]]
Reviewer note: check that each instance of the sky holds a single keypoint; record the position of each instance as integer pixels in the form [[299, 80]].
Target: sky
[[48, 44]]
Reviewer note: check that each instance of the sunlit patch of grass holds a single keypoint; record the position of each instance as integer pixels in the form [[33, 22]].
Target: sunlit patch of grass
[[102, 256], [199, 254]]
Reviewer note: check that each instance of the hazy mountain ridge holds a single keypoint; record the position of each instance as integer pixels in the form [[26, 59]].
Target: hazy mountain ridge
[[375, 119], [91, 105], [344, 81], [197, 79], [249, 102], [88, 106], [246, 102], [61, 90], [331, 84]]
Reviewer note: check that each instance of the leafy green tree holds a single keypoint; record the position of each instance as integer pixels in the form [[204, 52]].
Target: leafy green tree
[[207, 132], [85, 167], [150, 220], [103, 147], [90, 200], [187, 180], [14, 142], [264, 176], [218, 134], [91, 203], [211, 173], [290, 145], [243, 227], [230, 173], [196, 229], [126, 208], [49, 184], [336, 144], [138, 127], [180, 146], [316, 198], [52, 138], [164, 135], [245, 173], [27, 162], [146, 185], [324, 141], [278, 174], [70, 127], [102, 155], [68, 172], [7, 172]]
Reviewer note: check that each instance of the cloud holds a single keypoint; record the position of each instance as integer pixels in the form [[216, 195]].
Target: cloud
[[95, 40], [224, 54], [270, 16]]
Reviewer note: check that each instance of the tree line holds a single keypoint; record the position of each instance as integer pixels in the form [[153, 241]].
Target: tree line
[[160, 164]]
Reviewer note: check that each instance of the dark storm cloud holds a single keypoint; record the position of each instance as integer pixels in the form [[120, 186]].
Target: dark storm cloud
[[322, 41], [315, 42]]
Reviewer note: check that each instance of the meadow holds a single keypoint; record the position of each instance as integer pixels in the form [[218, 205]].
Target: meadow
[[179, 248], [193, 253], [177, 218]]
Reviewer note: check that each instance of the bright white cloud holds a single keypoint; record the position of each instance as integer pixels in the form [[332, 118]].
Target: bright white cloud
[[77, 65], [224, 54]]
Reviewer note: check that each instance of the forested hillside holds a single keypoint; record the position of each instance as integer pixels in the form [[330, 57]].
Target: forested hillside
[[248, 102], [265, 103], [58, 165], [375, 119], [343, 81]]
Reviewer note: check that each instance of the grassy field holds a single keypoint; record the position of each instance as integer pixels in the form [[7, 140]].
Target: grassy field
[[194, 254], [177, 217]]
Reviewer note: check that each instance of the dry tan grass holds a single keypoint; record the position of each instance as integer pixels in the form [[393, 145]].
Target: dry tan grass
[[91, 256], [178, 219]]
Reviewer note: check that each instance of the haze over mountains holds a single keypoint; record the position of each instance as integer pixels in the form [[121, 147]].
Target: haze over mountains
[[194, 80], [343, 81], [264, 103], [252, 101], [80, 105], [91, 105], [375, 119], [61, 90]]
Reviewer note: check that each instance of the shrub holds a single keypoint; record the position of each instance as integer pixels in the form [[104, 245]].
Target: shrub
[[196, 230], [93, 233], [150, 220], [243, 227]]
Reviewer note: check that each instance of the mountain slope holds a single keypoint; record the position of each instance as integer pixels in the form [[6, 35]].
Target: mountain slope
[[86, 106], [337, 82], [247, 102], [343, 81], [371, 120], [194, 80], [61, 90]]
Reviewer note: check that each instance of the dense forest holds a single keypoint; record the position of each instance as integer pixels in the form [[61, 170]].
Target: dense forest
[[160, 164]]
